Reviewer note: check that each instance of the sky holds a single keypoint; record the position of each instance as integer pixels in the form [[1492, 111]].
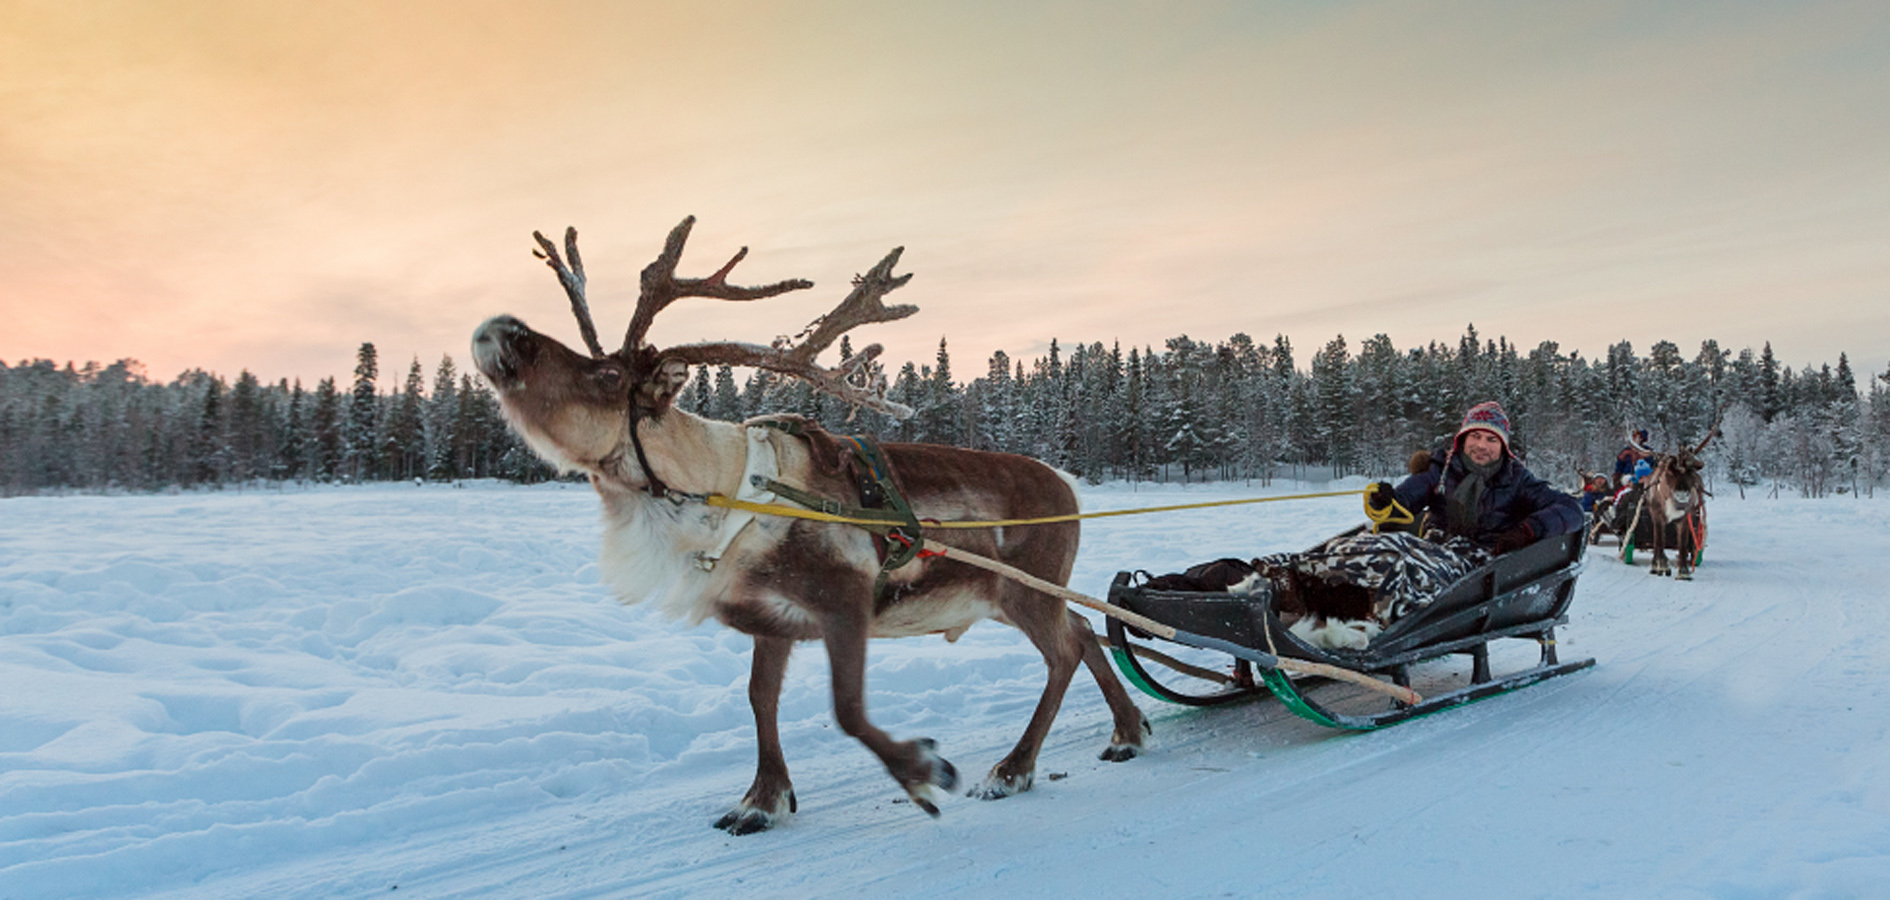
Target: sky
[[265, 186]]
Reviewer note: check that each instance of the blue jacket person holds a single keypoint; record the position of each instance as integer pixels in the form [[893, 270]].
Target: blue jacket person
[[1475, 487]]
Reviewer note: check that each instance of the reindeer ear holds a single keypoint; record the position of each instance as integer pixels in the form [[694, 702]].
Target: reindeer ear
[[666, 383], [1420, 462]]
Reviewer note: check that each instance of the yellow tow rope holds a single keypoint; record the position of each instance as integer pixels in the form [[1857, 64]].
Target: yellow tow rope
[[795, 512]]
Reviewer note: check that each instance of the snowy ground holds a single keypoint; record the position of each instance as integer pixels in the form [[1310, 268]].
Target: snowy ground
[[352, 692]]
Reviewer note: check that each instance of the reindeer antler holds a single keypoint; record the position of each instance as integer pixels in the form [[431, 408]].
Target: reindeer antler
[[661, 287], [1712, 430], [572, 278], [854, 380]]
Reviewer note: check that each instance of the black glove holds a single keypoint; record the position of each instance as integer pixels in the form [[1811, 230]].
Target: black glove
[[1514, 539], [1379, 495]]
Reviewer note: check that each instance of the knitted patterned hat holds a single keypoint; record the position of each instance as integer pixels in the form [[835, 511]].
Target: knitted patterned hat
[[1487, 416]]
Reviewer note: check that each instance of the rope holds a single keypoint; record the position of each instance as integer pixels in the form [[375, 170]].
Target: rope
[[1283, 663], [795, 512], [1289, 664], [1633, 523]]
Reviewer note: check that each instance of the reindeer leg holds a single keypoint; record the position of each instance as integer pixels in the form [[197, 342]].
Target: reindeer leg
[[771, 798], [1131, 725], [915, 764], [1046, 623]]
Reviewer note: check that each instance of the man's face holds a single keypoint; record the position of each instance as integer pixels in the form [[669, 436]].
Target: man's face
[[1483, 447]]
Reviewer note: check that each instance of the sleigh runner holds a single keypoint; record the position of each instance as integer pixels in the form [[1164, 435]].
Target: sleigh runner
[[1522, 597]]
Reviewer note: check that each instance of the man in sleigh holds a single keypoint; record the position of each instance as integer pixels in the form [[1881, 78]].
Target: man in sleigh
[[1468, 501]]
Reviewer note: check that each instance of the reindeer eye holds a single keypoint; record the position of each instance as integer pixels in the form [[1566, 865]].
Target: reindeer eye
[[608, 377]]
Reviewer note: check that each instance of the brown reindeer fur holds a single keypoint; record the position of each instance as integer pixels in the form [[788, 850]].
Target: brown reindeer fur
[[1674, 501], [786, 580]]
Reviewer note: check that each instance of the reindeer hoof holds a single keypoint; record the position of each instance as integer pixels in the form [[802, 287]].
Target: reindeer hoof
[[745, 822], [939, 772], [747, 818], [1120, 752], [997, 787], [921, 795], [1121, 749], [943, 773]]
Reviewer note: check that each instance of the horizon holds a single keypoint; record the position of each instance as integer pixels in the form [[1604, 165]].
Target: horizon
[[1302, 357]]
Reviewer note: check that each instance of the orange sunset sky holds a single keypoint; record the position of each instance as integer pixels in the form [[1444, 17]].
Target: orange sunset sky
[[265, 185]]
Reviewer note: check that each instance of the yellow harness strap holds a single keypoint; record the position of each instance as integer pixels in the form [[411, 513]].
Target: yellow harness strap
[[795, 512]]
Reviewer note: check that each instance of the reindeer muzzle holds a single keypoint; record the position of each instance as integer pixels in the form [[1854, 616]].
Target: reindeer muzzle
[[495, 349]]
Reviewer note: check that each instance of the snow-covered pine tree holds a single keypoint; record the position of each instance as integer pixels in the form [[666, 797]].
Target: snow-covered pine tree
[[209, 454], [1771, 398], [358, 447], [997, 399], [326, 450], [291, 451], [939, 418], [725, 400], [1334, 419], [441, 416], [405, 453], [247, 438]]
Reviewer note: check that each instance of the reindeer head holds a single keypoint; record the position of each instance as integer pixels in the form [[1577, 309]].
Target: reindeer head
[[577, 412]]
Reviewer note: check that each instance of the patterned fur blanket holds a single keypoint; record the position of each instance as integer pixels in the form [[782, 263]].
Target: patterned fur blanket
[[1346, 590]]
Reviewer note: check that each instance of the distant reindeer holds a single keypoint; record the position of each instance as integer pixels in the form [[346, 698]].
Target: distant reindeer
[[1675, 505], [780, 580]]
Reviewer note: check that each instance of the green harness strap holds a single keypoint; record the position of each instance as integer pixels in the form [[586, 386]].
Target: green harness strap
[[880, 501]]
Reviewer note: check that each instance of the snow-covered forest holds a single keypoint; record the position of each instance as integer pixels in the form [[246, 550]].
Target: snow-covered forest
[[1237, 409]]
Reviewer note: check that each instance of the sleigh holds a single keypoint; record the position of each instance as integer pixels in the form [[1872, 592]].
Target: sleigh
[[1514, 601]]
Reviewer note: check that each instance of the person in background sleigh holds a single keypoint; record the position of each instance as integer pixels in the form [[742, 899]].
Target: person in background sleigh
[[1635, 452], [1474, 487]]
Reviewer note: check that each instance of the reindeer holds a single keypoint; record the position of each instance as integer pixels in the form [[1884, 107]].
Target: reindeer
[[1676, 505], [782, 581]]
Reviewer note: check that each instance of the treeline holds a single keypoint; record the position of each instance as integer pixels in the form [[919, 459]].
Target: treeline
[[1243, 409], [1237, 409], [110, 427]]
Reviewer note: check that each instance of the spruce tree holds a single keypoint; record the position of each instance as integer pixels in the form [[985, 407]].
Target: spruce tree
[[291, 452], [406, 430], [208, 454], [940, 407], [246, 437], [725, 401], [1771, 397], [442, 417], [358, 439], [326, 460]]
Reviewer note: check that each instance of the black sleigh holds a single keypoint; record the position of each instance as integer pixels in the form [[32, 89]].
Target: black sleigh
[[1517, 599]]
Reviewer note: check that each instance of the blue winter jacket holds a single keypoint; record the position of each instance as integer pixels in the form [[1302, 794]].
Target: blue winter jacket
[[1514, 495]]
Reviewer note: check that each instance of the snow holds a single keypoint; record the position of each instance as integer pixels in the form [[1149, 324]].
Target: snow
[[425, 690]]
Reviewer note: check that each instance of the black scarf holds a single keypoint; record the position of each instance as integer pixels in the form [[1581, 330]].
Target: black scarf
[[1464, 506]]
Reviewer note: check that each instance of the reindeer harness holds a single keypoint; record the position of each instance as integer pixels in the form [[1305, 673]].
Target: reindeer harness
[[884, 509]]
